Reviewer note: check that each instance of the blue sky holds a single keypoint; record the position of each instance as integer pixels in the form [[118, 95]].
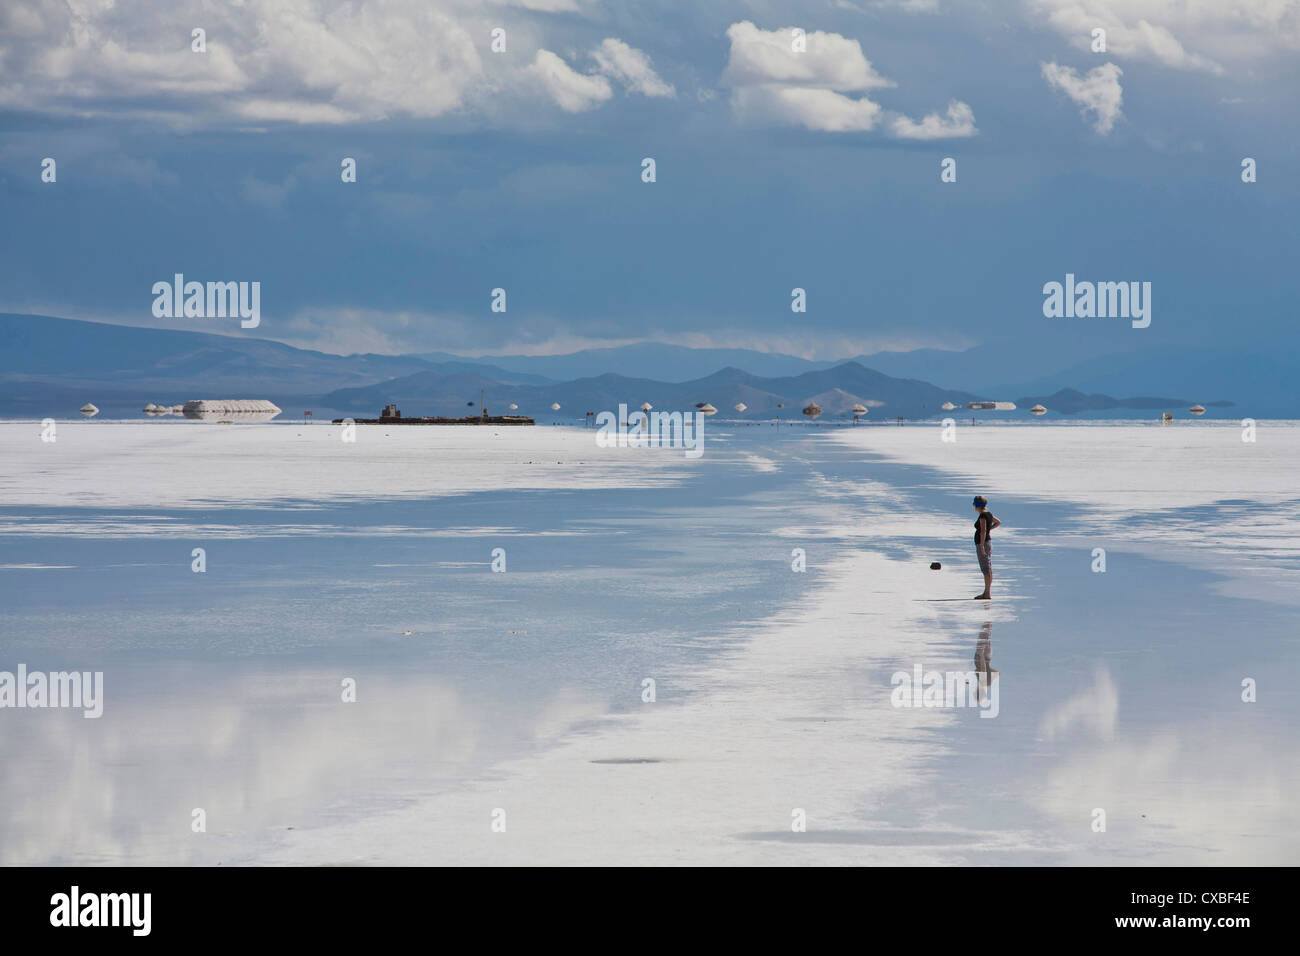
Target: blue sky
[[776, 169]]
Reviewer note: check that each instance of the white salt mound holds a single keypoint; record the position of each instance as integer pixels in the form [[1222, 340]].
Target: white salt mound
[[230, 405], [231, 410]]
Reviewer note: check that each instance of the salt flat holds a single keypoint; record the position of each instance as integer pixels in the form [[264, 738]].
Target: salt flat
[[1193, 491], [781, 724], [183, 464], [522, 692], [784, 721], [1110, 468]]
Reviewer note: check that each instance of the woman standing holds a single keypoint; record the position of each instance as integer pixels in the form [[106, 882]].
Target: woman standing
[[984, 525]]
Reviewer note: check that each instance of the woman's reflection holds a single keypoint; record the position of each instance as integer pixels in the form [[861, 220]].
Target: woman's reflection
[[985, 672]]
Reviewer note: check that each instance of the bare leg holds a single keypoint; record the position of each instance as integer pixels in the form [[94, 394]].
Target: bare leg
[[988, 583]]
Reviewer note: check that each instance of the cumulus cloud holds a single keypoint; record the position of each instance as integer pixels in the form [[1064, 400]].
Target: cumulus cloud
[[812, 108], [297, 61], [265, 59], [959, 121], [1182, 34], [572, 91], [576, 92], [630, 67], [823, 87], [830, 61], [1097, 92]]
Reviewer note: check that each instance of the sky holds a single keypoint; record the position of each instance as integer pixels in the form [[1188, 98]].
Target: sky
[[775, 168]]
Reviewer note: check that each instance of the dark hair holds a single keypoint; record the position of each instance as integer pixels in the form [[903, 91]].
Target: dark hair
[[980, 501]]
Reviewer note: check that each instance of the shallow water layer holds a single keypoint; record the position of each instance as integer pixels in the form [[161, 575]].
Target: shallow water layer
[[1117, 691], [1121, 690]]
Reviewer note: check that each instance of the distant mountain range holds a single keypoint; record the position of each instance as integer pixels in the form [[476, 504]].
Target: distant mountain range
[[835, 389], [50, 366]]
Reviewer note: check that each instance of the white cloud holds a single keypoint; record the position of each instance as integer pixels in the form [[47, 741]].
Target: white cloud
[[347, 329], [1182, 34], [80, 68], [572, 91], [284, 60], [910, 6], [291, 111], [815, 109], [771, 83], [630, 67], [344, 330], [298, 61], [1098, 92], [544, 6], [959, 121], [766, 56], [576, 92]]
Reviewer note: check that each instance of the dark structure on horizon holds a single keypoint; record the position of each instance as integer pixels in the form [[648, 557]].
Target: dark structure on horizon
[[392, 415]]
